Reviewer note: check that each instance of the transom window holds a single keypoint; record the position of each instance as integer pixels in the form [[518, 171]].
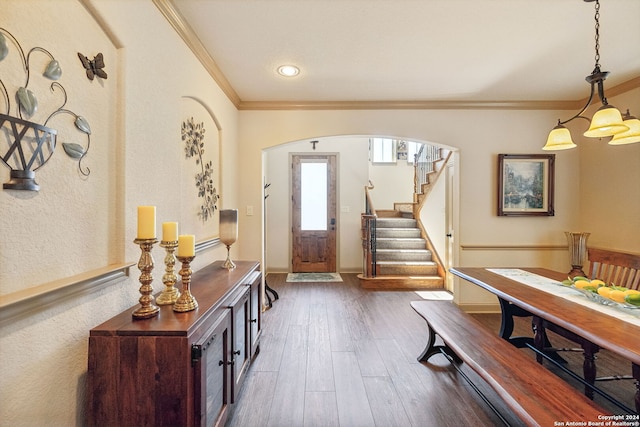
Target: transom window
[[387, 150]]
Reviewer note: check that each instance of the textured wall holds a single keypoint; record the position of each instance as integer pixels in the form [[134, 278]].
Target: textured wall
[[76, 224]]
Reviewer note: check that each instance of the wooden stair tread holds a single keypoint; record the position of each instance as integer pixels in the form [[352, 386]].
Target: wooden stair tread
[[402, 282], [406, 263]]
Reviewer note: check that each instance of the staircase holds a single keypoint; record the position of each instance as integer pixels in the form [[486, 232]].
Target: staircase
[[397, 251], [402, 258]]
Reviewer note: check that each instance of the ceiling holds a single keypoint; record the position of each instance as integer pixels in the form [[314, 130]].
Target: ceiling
[[407, 52]]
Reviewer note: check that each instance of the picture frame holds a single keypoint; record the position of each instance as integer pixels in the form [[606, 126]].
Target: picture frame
[[526, 184]]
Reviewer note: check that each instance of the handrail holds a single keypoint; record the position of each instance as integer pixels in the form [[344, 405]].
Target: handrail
[[368, 204], [423, 165], [368, 231]]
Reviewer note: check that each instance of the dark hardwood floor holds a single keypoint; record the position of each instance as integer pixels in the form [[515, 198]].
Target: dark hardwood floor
[[333, 354]]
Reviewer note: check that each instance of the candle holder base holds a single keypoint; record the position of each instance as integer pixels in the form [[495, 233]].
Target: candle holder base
[[168, 297], [186, 301], [170, 293], [146, 312], [147, 307]]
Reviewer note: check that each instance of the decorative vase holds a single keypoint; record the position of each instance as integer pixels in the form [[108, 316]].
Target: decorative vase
[[577, 251], [228, 233]]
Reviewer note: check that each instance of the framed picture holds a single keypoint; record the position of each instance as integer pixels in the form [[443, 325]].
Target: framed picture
[[525, 184]]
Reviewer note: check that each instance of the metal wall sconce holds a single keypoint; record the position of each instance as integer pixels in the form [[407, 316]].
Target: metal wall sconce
[[30, 145]]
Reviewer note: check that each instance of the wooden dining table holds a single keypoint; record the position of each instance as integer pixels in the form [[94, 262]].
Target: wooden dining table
[[586, 321]]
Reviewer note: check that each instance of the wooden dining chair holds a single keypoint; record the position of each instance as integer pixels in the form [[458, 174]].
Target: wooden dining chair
[[612, 267]]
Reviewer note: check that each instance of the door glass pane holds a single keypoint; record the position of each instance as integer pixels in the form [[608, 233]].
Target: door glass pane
[[313, 188]]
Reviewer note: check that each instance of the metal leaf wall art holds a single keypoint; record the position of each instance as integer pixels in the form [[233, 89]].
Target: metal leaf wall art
[[30, 145], [193, 137]]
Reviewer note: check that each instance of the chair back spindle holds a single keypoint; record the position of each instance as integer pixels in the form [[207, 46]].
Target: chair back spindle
[[612, 267]]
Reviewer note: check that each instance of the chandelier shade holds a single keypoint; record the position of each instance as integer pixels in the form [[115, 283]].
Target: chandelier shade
[[607, 121], [559, 139], [630, 136]]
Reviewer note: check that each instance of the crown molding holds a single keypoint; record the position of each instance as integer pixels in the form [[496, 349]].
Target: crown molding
[[408, 105], [177, 21], [183, 29]]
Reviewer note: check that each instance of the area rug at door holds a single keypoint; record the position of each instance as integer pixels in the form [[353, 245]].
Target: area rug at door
[[314, 277]]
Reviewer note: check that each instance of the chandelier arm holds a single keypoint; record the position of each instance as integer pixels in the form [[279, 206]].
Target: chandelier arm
[[579, 114], [603, 99]]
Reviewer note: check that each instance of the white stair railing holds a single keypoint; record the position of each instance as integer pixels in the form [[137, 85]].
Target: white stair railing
[[424, 164]]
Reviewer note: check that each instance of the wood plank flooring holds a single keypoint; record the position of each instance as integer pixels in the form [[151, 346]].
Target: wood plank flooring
[[333, 354]]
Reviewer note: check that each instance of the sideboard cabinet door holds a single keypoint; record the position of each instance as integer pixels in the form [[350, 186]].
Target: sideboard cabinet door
[[241, 356], [256, 314], [212, 365]]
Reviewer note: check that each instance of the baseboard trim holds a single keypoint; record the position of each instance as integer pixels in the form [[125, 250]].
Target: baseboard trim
[[479, 308]]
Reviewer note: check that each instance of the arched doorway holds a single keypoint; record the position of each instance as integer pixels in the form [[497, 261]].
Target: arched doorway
[[354, 172]]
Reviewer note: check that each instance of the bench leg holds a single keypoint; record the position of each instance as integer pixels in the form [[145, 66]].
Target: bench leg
[[509, 310], [538, 336], [432, 349]]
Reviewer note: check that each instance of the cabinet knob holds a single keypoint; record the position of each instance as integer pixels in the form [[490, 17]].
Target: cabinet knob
[[254, 320], [237, 352], [220, 363]]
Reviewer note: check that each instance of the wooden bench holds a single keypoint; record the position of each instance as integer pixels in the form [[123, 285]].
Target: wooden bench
[[534, 394]]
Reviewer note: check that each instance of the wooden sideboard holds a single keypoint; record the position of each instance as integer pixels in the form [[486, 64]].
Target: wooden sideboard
[[178, 369]]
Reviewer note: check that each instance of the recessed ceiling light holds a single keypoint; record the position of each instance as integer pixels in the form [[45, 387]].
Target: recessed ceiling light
[[288, 70]]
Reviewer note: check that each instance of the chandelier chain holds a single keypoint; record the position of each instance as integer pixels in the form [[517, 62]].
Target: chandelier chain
[[597, 37]]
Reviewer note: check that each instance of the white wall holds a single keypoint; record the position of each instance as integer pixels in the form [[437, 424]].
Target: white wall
[[485, 134], [76, 224], [393, 183], [352, 177]]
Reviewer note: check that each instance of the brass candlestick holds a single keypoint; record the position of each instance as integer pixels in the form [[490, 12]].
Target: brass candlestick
[[147, 307], [170, 293], [186, 301]]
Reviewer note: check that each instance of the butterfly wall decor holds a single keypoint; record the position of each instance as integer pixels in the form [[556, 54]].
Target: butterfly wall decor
[[93, 66]]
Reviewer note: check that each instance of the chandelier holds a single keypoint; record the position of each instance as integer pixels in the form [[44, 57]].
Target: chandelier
[[607, 121]]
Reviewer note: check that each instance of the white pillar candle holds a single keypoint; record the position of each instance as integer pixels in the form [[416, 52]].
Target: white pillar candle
[[186, 245], [146, 222], [169, 231]]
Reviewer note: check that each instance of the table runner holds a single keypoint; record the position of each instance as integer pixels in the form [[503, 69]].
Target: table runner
[[551, 286]]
